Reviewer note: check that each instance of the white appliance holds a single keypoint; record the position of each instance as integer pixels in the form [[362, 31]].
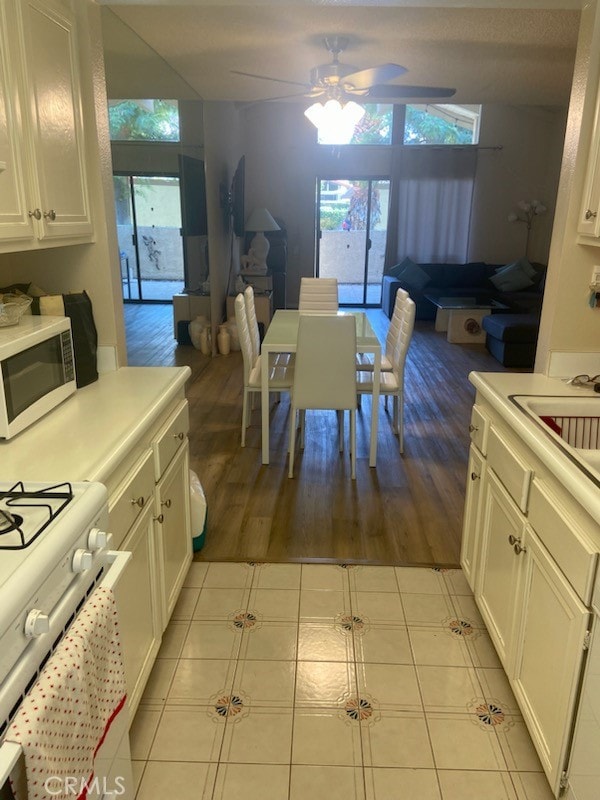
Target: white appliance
[[37, 368], [54, 551], [583, 774]]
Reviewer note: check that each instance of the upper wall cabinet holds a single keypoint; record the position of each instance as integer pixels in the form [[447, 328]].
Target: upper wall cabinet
[[589, 216], [43, 185]]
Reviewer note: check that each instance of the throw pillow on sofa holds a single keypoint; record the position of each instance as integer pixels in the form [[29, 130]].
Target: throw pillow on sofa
[[398, 269], [524, 264], [513, 277], [413, 277]]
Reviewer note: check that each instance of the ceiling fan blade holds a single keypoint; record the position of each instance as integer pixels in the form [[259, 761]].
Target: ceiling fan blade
[[306, 86], [365, 78], [249, 104], [384, 93]]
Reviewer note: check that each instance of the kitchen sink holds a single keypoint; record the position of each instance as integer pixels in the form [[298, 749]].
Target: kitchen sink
[[573, 422]]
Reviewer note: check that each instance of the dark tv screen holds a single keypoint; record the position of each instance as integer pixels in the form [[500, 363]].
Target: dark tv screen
[[193, 196], [237, 198]]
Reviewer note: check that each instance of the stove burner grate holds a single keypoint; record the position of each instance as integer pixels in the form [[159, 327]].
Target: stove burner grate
[[9, 522], [50, 499]]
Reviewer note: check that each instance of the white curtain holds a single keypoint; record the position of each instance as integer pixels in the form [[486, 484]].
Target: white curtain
[[431, 205]]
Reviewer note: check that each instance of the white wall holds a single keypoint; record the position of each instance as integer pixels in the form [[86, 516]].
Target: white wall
[[569, 326], [526, 168], [283, 161]]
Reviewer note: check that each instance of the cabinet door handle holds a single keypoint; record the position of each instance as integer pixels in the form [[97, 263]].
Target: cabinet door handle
[[166, 503], [51, 215], [36, 213], [160, 518], [516, 545], [589, 214], [179, 436], [473, 428], [138, 501], [474, 476]]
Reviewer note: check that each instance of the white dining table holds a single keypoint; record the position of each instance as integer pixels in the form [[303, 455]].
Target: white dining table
[[282, 337]]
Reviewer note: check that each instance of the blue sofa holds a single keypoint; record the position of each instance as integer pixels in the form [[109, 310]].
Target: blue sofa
[[511, 333]]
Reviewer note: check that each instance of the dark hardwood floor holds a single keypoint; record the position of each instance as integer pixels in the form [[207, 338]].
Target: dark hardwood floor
[[407, 510]]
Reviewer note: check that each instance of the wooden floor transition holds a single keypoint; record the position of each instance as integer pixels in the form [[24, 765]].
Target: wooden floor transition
[[406, 511]]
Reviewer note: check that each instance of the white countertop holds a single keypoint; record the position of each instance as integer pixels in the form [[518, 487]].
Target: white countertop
[[499, 389], [90, 432]]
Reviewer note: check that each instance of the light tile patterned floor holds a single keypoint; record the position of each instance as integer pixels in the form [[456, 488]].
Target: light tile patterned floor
[[290, 681]]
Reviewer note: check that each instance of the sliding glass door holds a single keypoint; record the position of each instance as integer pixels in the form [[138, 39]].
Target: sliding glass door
[[351, 236], [148, 209]]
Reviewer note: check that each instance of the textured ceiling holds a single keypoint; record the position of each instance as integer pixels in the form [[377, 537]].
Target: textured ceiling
[[502, 55]]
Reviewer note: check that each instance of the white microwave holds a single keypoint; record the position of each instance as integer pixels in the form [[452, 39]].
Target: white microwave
[[37, 369]]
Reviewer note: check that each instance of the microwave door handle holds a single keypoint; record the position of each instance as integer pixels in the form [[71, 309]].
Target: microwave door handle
[[10, 752]]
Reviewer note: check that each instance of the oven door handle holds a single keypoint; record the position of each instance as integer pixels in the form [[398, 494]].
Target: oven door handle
[[118, 560], [10, 752]]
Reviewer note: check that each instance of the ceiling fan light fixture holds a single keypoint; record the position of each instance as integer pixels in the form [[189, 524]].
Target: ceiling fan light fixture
[[335, 121]]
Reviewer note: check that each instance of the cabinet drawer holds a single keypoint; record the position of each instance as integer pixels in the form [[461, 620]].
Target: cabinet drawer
[[134, 493], [563, 538], [512, 471], [169, 438], [478, 429]]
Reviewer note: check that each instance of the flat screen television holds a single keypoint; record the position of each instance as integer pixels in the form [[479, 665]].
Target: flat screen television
[[237, 198], [192, 187]]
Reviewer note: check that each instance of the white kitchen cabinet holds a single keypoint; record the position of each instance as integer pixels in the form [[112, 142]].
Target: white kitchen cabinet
[[44, 198], [470, 533], [14, 220], [173, 530], [131, 511], [533, 550], [589, 215], [502, 529], [550, 640], [172, 506]]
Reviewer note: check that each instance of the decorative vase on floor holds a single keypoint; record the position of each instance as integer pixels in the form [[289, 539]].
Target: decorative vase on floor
[[205, 343], [224, 340]]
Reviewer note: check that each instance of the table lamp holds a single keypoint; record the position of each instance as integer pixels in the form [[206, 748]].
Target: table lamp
[[259, 221]]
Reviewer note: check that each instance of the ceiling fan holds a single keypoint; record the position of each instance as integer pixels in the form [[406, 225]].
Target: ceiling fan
[[344, 82]]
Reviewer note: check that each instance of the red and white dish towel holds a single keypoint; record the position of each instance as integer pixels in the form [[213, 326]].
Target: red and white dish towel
[[68, 712]]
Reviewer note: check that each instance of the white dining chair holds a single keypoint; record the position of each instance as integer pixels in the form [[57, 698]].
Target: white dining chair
[[365, 361], [275, 359], [280, 377], [318, 294], [392, 383], [324, 376]]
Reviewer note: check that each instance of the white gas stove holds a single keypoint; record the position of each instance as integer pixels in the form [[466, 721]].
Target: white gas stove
[[54, 551], [51, 535]]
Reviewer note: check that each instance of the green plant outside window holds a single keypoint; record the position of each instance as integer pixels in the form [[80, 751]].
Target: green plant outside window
[[143, 120]]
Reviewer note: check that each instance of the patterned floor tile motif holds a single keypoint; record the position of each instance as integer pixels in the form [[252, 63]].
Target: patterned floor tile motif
[[459, 627], [351, 623], [361, 709], [489, 715], [244, 619], [229, 705], [358, 708]]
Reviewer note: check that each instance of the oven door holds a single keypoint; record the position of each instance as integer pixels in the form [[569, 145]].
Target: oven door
[[112, 776]]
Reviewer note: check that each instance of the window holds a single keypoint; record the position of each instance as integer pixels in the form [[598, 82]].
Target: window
[[441, 124], [143, 120], [376, 125]]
